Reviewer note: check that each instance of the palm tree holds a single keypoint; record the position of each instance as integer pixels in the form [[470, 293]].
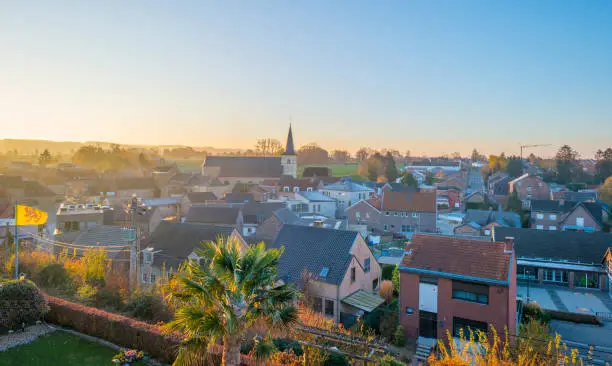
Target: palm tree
[[224, 293]]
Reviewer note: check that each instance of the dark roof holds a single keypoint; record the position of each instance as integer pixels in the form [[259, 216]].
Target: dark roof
[[485, 217], [135, 183], [246, 166], [593, 208], [176, 240], [120, 213], [10, 181], [212, 215], [238, 197], [569, 246], [458, 256], [262, 210], [182, 177], [551, 206], [399, 187], [501, 187], [201, 197], [289, 149], [579, 196], [409, 201], [316, 171], [35, 189], [312, 249]]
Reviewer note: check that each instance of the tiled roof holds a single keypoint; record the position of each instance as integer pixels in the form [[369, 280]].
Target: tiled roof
[[176, 240], [406, 201], [201, 197], [311, 249], [458, 256], [315, 196], [484, 217], [578, 196], [347, 186], [10, 181], [366, 301], [135, 183], [246, 166], [35, 189], [238, 197], [570, 246], [212, 215], [262, 210]]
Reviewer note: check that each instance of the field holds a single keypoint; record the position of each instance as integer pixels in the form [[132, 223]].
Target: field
[[337, 170], [189, 166], [61, 349]]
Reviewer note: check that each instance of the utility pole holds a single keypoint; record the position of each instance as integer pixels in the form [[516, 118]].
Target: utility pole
[[135, 207]]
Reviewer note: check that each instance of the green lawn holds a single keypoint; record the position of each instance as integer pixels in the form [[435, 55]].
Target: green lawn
[[337, 170], [58, 349]]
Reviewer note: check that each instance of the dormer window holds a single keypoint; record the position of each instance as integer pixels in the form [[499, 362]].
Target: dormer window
[[296, 189], [324, 272], [285, 189], [309, 189]]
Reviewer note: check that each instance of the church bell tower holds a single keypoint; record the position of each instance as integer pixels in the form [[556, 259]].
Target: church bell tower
[[289, 157]]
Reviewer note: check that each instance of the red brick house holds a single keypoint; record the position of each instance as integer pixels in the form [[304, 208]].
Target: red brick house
[[450, 283], [529, 187]]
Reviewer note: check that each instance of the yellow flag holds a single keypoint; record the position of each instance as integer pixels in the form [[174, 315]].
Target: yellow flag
[[27, 215]]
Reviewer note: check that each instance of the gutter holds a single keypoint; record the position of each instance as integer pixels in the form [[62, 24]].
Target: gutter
[[453, 276]]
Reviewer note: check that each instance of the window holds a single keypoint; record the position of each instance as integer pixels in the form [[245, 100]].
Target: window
[[466, 325], [353, 274], [539, 216], [526, 273], [366, 265], [386, 227], [309, 189], [386, 213], [367, 215], [316, 305], [405, 228], [285, 189], [552, 217], [145, 277], [324, 272], [148, 257], [586, 280], [329, 307], [557, 276], [580, 221], [153, 277], [375, 284], [529, 188], [395, 213], [552, 227], [471, 292], [414, 214], [296, 189], [358, 215], [540, 227]]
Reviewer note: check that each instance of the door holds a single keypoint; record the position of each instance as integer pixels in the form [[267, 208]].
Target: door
[[428, 324]]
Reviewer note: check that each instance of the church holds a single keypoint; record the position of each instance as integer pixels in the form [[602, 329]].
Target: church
[[252, 169]]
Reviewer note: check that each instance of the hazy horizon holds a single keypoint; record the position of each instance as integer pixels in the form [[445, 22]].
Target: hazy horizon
[[426, 76]]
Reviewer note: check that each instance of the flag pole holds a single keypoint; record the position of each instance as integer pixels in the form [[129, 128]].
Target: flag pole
[[16, 244]]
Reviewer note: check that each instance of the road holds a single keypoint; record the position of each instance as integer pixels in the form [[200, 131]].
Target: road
[[475, 182]]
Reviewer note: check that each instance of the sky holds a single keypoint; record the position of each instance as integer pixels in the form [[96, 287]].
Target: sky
[[427, 76]]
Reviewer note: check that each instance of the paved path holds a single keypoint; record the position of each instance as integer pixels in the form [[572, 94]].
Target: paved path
[[605, 299], [556, 299]]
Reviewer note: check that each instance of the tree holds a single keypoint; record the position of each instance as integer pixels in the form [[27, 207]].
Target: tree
[[45, 158], [514, 167], [514, 203], [312, 154], [605, 191], [391, 172], [225, 293], [567, 163], [341, 156], [497, 163], [373, 167], [429, 179], [476, 156], [408, 179], [603, 166], [456, 155], [269, 147], [396, 278], [363, 153]]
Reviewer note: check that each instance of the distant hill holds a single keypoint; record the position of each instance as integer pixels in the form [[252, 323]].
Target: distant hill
[[67, 147]]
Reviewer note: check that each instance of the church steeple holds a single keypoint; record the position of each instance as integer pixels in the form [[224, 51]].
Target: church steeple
[[289, 149]]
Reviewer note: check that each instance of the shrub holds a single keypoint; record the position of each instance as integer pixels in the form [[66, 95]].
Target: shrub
[[388, 360], [400, 338], [387, 271], [284, 344], [386, 290], [21, 302], [53, 275], [105, 298], [87, 294], [147, 306], [96, 267], [335, 359], [396, 279]]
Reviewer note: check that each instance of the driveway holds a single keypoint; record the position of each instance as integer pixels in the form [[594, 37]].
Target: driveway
[[583, 336], [564, 299]]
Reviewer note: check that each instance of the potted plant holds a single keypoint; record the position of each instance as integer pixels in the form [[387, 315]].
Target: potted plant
[[128, 357]]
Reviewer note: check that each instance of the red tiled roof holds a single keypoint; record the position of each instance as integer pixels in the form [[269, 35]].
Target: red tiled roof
[[460, 256], [375, 202], [408, 201]]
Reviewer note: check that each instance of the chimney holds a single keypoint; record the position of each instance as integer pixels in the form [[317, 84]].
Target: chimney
[[509, 244]]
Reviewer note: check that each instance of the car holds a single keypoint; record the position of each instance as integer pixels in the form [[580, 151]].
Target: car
[[399, 236]]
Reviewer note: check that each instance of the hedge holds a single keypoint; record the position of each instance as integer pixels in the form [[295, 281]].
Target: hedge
[[118, 329], [573, 317], [21, 303]]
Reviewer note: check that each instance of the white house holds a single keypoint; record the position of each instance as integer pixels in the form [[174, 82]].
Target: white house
[[313, 202], [346, 193]]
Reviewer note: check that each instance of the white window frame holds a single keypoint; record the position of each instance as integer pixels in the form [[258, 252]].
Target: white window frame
[[552, 217], [552, 227], [415, 214], [540, 216], [580, 221], [540, 227]]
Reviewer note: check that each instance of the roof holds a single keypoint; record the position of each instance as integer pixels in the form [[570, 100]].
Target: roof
[[35, 189], [246, 166], [566, 207], [484, 217], [181, 177], [513, 181], [262, 210], [363, 300], [312, 249], [578, 196], [407, 201], [135, 183], [212, 215], [176, 240], [346, 185], [286, 216], [120, 213], [100, 236], [201, 197], [162, 201], [289, 148], [553, 245], [10, 181], [315, 196], [238, 197], [399, 187], [461, 257]]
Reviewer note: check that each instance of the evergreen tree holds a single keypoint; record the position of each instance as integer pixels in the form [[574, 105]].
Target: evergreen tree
[[391, 172]]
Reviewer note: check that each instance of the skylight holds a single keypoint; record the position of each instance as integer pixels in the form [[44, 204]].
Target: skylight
[[324, 272]]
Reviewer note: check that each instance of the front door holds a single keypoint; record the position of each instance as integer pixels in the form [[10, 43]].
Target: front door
[[428, 324]]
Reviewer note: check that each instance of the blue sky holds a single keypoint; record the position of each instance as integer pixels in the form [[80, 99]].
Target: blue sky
[[427, 76]]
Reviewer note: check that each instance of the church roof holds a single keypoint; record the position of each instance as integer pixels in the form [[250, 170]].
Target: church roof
[[289, 149], [246, 166]]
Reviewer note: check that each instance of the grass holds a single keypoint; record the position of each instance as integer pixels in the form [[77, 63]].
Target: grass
[[59, 349], [337, 170]]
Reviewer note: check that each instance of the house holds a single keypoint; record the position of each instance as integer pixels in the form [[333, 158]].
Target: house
[[481, 222], [29, 192], [195, 198], [581, 196], [477, 198], [238, 198], [346, 193], [252, 169], [448, 198], [313, 203], [167, 206], [451, 283], [395, 212], [338, 270], [566, 215], [288, 185], [268, 229], [146, 221], [171, 244], [529, 187], [429, 165], [72, 218], [560, 258]]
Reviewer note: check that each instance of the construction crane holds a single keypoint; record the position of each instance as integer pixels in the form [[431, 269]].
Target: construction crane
[[526, 146]]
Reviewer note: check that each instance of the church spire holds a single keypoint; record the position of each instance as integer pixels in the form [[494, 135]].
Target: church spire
[[289, 149]]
